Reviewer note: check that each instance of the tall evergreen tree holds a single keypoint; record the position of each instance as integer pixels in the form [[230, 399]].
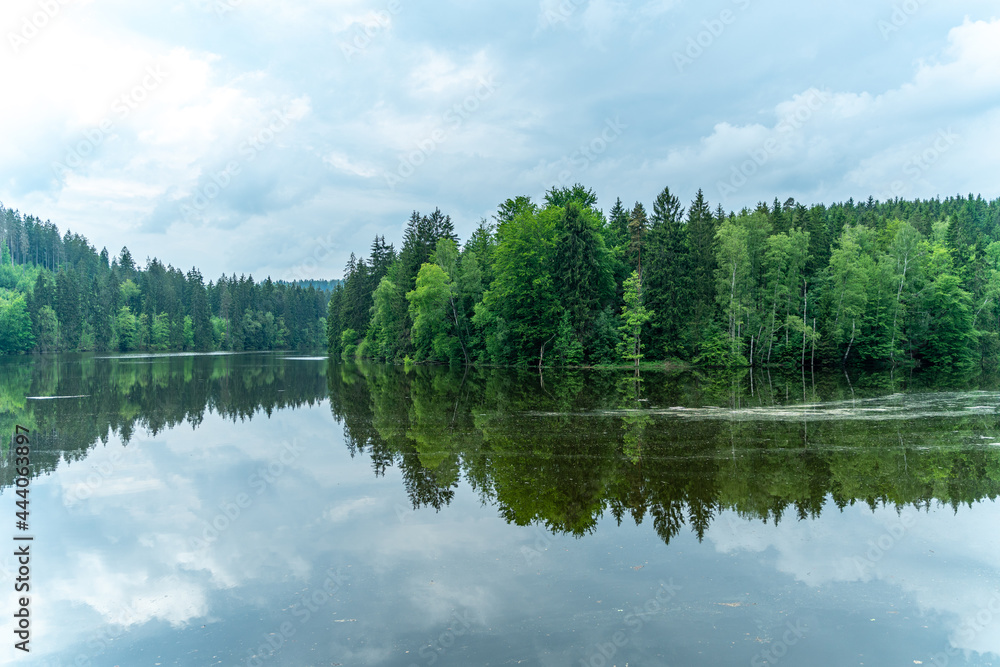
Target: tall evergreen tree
[[581, 268], [702, 227], [667, 274]]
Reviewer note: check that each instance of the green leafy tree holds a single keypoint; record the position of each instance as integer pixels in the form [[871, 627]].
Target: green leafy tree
[[634, 317], [950, 333], [561, 197], [16, 335], [389, 329], [519, 313], [733, 283], [785, 292], [851, 267], [429, 304], [160, 332], [126, 329]]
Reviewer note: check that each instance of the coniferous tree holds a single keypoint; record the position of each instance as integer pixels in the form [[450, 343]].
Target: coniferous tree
[[702, 226], [638, 225], [667, 275], [581, 269], [68, 308]]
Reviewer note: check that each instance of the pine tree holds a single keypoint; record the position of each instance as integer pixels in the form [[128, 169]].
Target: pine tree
[[702, 227], [638, 225], [581, 267], [618, 219], [68, 308], [666, 275]]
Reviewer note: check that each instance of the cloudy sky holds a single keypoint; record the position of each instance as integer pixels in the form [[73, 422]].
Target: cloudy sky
[[252, 136]]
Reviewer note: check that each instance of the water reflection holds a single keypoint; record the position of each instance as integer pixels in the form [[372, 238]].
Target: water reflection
[[231, 505], [72, 402], [677, 450]]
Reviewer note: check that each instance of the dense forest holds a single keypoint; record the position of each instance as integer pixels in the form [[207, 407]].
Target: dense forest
[[560, 283], [57, 293]]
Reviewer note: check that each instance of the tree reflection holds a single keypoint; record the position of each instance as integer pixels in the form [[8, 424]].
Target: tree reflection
[[123, 395], [564, 449]]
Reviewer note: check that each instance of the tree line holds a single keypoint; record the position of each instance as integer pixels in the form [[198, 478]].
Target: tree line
[[561, 283], [57, 294]]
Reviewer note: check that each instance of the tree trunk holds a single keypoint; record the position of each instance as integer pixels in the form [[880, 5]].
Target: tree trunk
[[458, 329], [851, 342], [541, 351], [805, 306], [813, 363], [895, 314]]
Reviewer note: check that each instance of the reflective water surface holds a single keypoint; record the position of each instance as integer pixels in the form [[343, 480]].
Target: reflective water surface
[[266, 509]]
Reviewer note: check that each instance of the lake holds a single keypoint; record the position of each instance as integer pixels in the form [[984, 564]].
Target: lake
[[278, 509]]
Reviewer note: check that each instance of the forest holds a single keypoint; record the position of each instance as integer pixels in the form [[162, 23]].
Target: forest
[[561, 283], [58, 294]]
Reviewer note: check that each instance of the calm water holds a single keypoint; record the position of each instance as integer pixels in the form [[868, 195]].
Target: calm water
[[267, 509]]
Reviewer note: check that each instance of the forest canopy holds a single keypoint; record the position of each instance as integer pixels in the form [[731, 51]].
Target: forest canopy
[[58, 294], [561, 283]]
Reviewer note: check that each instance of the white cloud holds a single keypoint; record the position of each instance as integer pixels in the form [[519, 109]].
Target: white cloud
[[437, 73], [855, 143], [858, 545], [359, 117]]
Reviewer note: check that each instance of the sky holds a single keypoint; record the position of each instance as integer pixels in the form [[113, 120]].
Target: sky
[[265, 138]]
